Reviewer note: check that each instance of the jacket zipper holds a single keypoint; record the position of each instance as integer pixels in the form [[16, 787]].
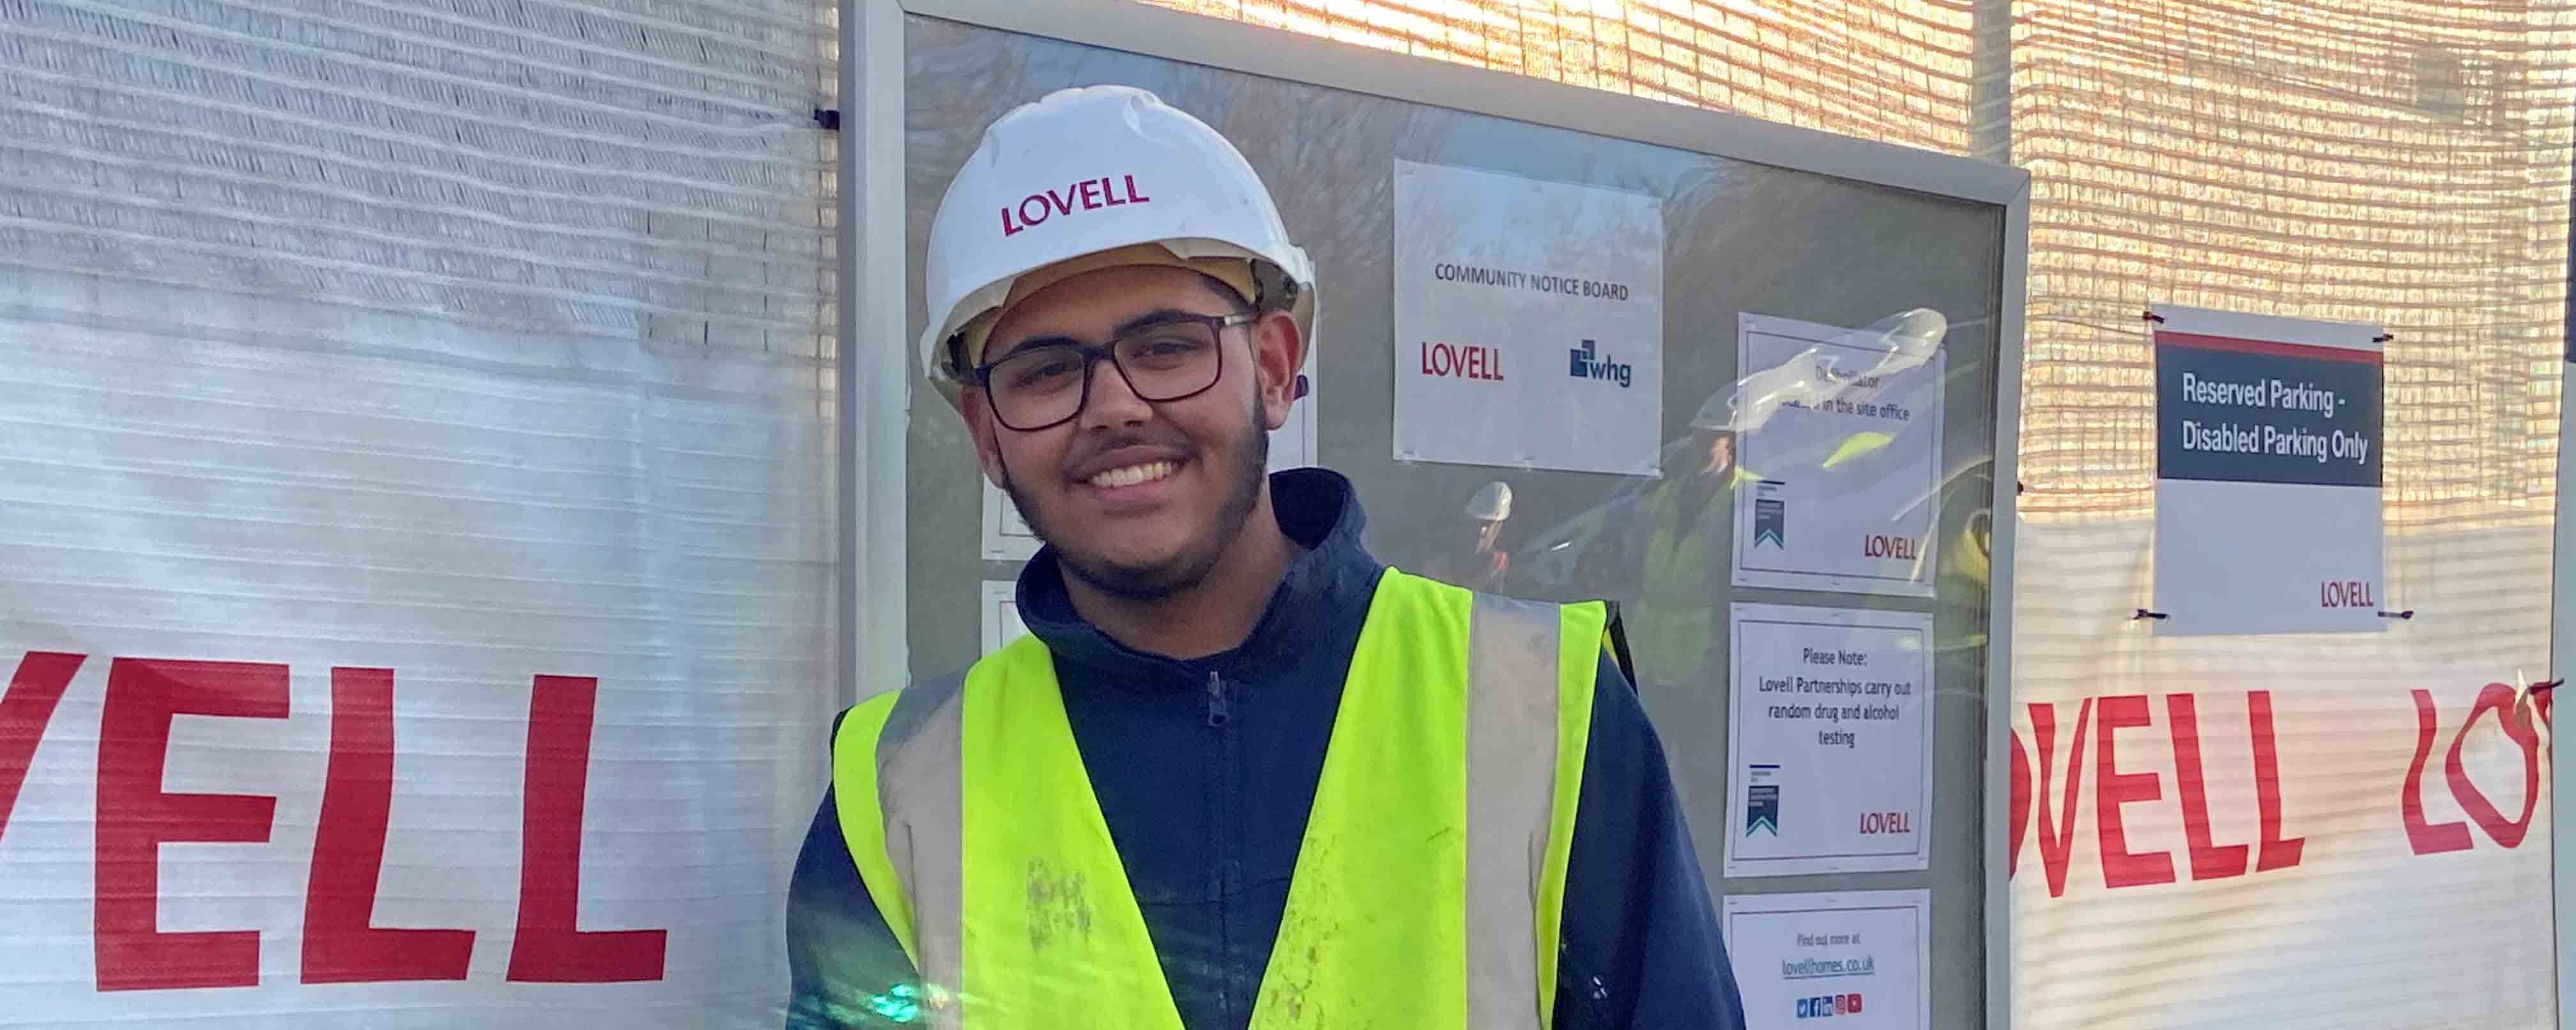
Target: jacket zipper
[[1220, 840]]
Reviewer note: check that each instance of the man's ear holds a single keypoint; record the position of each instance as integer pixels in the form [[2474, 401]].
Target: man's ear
[[1278, 351], [980, 427]]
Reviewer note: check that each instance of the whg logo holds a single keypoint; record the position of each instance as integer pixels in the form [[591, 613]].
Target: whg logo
[[1585, 362]]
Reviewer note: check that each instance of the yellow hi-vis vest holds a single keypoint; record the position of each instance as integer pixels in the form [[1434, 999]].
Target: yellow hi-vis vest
[[1427, 889]]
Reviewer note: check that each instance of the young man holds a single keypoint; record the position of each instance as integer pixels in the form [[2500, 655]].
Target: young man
[[1239, 774]]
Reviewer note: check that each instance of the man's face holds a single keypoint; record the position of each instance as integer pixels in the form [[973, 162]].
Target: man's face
[[1139, 498], [1721, 454]]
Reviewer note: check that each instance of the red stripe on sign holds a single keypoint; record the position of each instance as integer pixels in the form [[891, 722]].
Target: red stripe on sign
[[2272, 347]]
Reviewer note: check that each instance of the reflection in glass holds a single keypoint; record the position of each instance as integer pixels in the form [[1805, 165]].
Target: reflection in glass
[[1472, 558], [1661, 546]]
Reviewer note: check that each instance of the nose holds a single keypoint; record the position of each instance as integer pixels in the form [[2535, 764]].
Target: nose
[[1112, 402]]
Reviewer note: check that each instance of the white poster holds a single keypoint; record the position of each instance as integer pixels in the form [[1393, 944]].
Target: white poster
[[1529, 322], [1293, 444], [1001, 614], [1859, 959], [1007, 537], [1839, 436], [2267, 474], [1829, 740]]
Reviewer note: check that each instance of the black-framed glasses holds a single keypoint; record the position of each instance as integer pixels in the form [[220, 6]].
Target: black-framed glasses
[[1045, 386]]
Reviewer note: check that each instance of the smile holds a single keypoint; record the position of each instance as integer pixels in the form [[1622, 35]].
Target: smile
[[1134, 475]]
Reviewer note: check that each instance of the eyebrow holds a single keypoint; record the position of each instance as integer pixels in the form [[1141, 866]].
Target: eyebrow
[[1156, 316]]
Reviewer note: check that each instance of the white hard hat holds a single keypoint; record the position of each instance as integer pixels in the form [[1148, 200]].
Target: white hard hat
[[1094, 169], [1492, 503]]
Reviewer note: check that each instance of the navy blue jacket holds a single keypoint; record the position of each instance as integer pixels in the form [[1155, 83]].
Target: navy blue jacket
[[1206, 789]]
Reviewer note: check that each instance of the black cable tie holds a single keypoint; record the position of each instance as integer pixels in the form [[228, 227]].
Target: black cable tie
[[2145, 614], [2383, 337], [828, 117], [2151, 316], [2407, 614]]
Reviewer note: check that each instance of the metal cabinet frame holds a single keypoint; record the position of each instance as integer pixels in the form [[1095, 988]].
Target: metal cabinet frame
[[875, 374]]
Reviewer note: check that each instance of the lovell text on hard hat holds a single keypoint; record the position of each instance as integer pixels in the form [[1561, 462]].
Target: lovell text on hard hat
[[1839, 436], [1529, 322], [2267, 474]]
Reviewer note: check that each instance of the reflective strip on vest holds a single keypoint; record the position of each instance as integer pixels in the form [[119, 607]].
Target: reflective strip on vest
[[1466, 714], [1511, 779]]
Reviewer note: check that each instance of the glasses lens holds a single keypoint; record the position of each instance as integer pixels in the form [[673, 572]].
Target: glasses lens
[[1170, 361], [1037, 387]]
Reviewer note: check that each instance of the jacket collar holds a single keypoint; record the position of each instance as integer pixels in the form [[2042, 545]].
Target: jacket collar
[[1330, 583]]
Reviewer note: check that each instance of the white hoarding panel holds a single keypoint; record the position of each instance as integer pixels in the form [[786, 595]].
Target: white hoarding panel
[[2280, 832], [413, 675]]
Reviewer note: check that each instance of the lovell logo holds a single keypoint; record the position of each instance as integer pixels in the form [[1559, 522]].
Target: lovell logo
[[1879, 545], [138, 815], [1082, 195], [1829, 1005], [1585, 362]]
